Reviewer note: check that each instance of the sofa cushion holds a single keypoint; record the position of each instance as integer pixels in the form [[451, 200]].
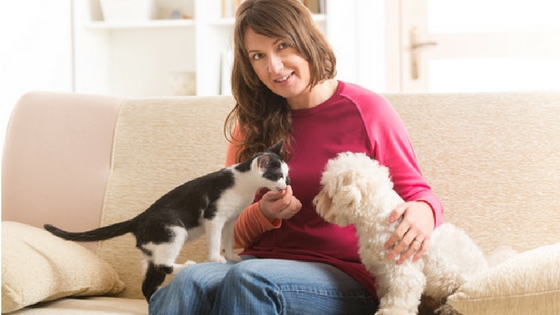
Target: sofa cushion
[[526, 284], [38, 266], [95, 305], [492, 159]]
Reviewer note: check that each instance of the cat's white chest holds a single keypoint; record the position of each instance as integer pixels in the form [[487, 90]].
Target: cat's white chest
[[232, 203]]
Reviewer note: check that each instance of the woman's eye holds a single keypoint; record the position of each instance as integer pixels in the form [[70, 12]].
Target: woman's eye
[[257, 56], [282, 46]]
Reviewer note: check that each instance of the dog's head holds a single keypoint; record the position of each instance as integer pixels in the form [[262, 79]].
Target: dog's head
[[349, 186]]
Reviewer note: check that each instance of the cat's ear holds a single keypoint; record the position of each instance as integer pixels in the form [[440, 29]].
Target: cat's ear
[[262, 161], [277, 148]]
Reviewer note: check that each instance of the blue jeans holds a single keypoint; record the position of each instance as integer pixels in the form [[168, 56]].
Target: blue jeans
[[262, 286]]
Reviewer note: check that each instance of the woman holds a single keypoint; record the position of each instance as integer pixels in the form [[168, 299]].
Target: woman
[[295, 262]]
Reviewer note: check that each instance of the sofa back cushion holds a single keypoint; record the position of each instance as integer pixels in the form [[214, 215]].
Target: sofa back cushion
[[494, 161], [56, 159], [159, 144]]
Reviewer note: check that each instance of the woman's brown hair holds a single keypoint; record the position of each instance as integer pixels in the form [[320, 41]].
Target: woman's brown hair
[[262, 116]]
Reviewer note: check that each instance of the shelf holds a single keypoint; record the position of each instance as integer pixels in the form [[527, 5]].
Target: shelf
[[142, 57], [102, 25]]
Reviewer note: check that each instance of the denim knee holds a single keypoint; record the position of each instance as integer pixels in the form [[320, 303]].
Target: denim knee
[[203, 278], [246, 288], [250, 273], [192, 291]]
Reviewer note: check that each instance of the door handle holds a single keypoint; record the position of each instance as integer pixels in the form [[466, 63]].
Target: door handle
[[415, 44]]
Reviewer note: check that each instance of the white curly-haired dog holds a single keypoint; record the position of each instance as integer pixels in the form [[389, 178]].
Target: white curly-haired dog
[[357, 190]]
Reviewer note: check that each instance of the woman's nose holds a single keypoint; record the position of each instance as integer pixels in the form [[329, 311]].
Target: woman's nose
[[274, 63]]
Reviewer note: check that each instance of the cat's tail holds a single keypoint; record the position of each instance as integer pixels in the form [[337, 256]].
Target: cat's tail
[[99, 234]]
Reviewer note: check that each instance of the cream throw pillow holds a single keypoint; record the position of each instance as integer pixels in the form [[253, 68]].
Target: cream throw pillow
[[38, 266], [526, 284]]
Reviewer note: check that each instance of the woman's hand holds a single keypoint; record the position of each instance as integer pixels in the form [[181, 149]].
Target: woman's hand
[[413, 233], [279, 204]]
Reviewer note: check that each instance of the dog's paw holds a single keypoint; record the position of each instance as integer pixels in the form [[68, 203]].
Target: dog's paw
[[189, 263]]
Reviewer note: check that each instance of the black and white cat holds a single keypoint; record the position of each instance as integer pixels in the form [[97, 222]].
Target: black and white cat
[[210, 203]]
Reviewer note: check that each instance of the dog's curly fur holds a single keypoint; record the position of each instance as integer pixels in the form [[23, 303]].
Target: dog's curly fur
[[357, 190]]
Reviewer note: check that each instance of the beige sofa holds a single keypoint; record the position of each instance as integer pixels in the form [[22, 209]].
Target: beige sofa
[[82, 161]]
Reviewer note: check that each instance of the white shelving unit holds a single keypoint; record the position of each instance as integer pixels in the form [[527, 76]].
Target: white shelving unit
[[145, 58]]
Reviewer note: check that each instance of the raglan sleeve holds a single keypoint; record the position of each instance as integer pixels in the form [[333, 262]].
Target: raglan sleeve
[[392, 147], [251, 222]]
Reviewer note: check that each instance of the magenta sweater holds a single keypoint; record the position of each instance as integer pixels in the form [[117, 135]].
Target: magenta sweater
[[353, 119]]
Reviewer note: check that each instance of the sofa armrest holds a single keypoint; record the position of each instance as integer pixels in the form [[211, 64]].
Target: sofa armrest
[[56, 159]]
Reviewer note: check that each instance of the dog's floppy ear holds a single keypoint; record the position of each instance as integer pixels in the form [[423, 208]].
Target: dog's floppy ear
[[328, 209], [345, 193], [322, 203], [346, 198]]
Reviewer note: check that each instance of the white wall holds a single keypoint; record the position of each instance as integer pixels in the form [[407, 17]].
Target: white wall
[[356, 30], [35, 50]]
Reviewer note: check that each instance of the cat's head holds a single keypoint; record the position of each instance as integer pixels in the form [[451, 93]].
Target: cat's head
[[271, 167]]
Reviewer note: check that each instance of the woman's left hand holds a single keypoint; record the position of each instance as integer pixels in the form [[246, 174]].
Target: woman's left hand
[[413, 233]]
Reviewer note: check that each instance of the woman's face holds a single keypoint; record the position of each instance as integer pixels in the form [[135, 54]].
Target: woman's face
[[279, 66]]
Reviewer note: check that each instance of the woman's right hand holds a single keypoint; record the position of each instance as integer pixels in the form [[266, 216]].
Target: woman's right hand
[[279, 204]]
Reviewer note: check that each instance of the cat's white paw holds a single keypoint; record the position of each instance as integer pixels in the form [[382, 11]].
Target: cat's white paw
[[179, 267], [234, 257], [219, 259]]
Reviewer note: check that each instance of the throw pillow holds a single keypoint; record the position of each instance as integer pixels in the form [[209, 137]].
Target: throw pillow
[[38, 266], [526, 284]]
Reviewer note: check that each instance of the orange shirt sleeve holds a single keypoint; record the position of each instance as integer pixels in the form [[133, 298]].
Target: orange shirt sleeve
[[252, 222]]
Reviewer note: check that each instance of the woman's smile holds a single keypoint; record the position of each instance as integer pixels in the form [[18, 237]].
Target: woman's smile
[[284, 78]]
